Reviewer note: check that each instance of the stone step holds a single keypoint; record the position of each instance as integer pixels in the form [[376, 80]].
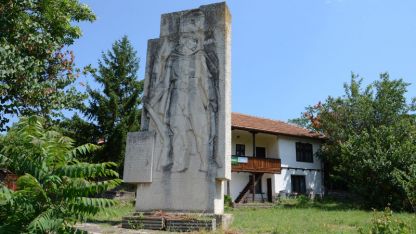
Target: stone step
[[139, 222], [254, 205]]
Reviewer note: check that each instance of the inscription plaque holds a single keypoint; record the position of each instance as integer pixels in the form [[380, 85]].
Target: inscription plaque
[[139, 157]]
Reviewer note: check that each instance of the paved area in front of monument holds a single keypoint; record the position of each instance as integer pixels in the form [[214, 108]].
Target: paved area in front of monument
[[94, 228]]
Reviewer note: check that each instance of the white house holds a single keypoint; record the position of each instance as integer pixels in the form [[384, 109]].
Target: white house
[[279, 156]]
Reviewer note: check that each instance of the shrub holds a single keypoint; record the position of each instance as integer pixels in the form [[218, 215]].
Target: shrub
[[54, 189], [385, 223], [228, 201], [302, 200]]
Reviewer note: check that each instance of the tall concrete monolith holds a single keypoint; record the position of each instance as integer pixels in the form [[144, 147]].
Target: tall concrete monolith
[[181, 157]]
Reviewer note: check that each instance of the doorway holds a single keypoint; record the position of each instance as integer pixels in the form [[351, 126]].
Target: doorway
[[260, 152], [258, 189], [269, 190]]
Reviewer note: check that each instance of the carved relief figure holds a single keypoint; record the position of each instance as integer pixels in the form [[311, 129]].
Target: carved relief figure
[[183, 99]]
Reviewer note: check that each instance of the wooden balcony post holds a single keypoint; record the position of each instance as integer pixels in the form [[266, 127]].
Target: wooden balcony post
[[253, 185], [254, 143]]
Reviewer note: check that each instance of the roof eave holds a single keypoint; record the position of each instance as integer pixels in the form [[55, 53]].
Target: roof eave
[[277, 133]]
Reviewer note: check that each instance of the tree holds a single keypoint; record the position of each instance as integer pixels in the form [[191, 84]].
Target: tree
[[116, 109], [82, 132], [37, 72], [407, 181], [54, 189], [303, 122], [371, 139]]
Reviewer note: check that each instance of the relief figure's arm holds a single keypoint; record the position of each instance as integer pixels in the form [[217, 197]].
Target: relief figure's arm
[[203, 85], [213, 68]]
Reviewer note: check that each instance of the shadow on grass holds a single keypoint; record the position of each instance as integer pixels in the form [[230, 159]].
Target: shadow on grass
[[109, 222], [112, 215], [327, 204]]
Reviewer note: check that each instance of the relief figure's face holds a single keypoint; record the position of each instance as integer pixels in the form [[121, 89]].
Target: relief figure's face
[[189, 43]]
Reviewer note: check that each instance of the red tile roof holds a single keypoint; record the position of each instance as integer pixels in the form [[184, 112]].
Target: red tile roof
[[247, 122]]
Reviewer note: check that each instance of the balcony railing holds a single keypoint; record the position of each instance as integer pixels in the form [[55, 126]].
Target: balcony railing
[[255, 165]]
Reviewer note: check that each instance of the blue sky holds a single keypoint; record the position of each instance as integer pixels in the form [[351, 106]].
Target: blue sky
[[285, 54]]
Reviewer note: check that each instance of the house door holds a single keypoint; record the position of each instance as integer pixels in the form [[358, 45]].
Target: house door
[[258, 188], [269, 190], [298, 184], [260, 152]]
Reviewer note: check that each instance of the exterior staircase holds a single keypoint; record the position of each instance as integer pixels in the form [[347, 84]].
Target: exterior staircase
[[242, 197]]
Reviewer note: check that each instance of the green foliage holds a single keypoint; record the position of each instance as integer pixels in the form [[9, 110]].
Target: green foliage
[[228, 201], [114, 110], [302, 200], [54, 189], [371, 139], [385, 223], [80, 130], [36, 71], [408, 182], [301, 122]]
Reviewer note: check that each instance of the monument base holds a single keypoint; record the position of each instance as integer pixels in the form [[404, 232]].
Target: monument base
[[177, 222]]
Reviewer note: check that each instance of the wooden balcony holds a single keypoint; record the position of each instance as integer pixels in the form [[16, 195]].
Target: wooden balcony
[[255, 165]]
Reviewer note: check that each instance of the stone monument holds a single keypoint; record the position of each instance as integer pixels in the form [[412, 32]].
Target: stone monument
[[181, 157]]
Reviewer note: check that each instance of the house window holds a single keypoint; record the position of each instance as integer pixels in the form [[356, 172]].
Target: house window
[[304, 152], [240, 150], [298, 184]]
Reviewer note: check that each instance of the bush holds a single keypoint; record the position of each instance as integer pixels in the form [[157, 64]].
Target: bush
[[385, 223], [228, 201], [302, 200], [54, 189]]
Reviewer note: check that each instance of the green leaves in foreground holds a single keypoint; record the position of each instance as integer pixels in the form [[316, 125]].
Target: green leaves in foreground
[[385, 223], [55, 190]]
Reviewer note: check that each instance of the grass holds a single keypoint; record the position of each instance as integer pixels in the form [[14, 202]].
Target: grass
[[290, 216], [114, 214]]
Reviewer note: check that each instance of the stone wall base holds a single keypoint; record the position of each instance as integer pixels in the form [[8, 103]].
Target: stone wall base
[[178, 222]]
